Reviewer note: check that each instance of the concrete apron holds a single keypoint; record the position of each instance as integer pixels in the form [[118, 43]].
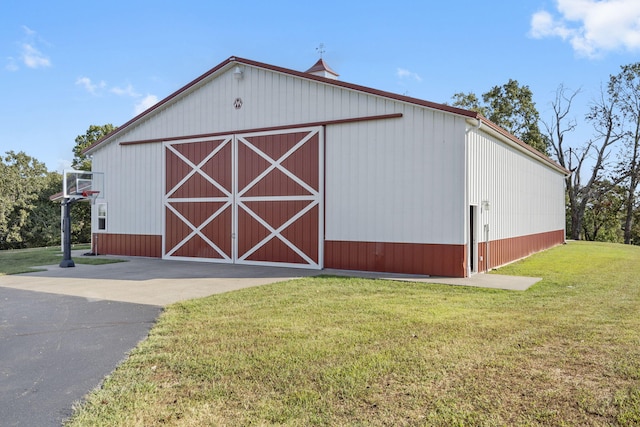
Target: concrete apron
[[161, 282]]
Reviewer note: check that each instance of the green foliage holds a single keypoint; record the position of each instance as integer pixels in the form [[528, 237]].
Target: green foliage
[[81, 222], [27, 217], [93, 134], [22, 182], [603, 216], [511, 107], [43, 225], [469, 101]]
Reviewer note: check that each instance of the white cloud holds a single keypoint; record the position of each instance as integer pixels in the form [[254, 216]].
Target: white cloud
[[403, 73], [30, 53], [32, 57], [142, 103], [127, 91], [91, 87], [145, 103], [592, 27], [543, 25]]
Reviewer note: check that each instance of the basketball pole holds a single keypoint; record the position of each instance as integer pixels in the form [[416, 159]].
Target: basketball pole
[[66, 254]]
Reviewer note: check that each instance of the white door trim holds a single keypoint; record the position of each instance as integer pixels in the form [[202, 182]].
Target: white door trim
[[237, 200]]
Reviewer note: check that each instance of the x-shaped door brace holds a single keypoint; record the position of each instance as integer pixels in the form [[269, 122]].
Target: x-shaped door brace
[[226, 199], [237, 199], [313, 197]]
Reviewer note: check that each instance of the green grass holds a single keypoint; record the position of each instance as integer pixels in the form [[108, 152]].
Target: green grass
[[24, 260], [333, 351]]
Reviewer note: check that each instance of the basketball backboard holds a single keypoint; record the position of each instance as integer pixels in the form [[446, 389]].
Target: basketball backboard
[[82, 184]]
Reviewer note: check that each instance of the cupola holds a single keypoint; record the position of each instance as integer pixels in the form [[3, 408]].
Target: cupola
[[321, 69]]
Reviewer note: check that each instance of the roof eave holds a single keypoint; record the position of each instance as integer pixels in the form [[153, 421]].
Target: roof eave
[[158, 105], [505, 136]]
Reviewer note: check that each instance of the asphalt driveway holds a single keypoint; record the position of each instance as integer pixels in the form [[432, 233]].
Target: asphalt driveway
[[54, 349]]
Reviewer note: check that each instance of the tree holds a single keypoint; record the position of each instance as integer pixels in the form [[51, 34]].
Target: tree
[[624, 89], [43, 225], [602, 216], [557, 128], [635, 229], [469, 101], [607, 131], [22, 180], [93, 134], [511, 107], [81, 223]]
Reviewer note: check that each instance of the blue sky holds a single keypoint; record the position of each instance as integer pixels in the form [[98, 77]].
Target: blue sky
[[65, 65]]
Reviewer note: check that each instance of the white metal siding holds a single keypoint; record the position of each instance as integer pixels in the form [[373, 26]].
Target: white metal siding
[[526, 197], [398, 180], [269, 99], [132, 187]]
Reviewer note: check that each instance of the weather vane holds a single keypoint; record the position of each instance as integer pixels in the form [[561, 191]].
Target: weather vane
[[320, 49]]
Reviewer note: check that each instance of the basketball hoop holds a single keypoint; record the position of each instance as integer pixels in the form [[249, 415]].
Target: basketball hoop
[[77, 185], [91, 195]]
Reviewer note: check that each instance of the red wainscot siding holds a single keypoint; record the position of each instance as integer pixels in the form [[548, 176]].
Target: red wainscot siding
[[504, 251], [408, 258], [128, 244]]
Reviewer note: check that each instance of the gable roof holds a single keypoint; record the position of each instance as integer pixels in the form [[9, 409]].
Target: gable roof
[[234, 60]]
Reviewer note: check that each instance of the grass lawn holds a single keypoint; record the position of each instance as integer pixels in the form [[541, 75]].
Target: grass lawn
[[23, 260], [342, 351]]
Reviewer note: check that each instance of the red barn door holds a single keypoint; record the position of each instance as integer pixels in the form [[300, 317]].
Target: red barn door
[[248, 198], [198, 202]]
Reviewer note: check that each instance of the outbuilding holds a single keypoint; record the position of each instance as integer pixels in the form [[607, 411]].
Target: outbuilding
[[252, 163]]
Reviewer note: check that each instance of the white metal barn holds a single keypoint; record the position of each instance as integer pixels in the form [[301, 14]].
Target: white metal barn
[[256, 164]]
